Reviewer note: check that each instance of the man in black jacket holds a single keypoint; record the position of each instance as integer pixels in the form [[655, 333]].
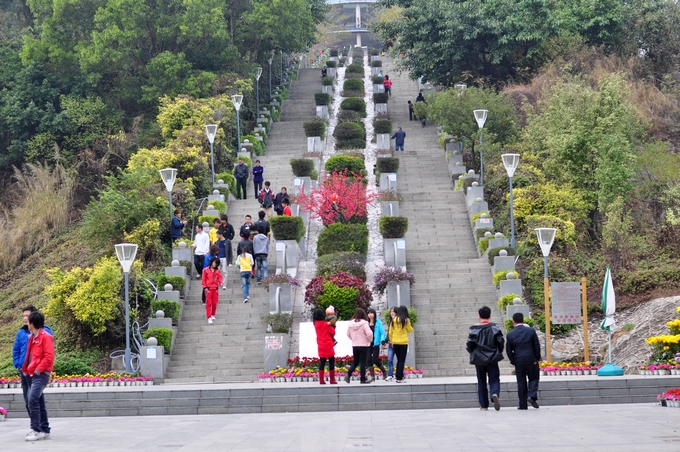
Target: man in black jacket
[[524, 352], [278, 201], [485, 344], [241, 174]]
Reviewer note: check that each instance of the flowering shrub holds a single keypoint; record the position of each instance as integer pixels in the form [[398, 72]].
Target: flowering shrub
[[666, 347], [281, 278], [390, 274], [342, 290]]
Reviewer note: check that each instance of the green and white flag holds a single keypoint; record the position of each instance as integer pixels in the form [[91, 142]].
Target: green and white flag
[[608, 301]]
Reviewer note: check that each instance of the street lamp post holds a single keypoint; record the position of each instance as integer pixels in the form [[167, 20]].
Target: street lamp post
[[211, 131], [237, 99], [480, 117], [510, 162], [271, 57], [126, 253], [168, 176], [257, 90], [546, 237], [281, 67]]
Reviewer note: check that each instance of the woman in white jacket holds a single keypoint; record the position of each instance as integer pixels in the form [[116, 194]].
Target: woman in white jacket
[[361, 335]]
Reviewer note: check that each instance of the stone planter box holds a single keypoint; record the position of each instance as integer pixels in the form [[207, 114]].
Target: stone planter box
[[322, 111], [486, 223], [219, 197], [411, 354], [495, 243], [287, 256], [456, 169], [182, 254], [172, 295], [165, 322], [383, 141], [302, 184], [478, 207], [332, 71], [276, 349], [388, 181], [297, 212], [248, 146], [375, 70], [381, 108], [314, 144], [513, 308], [452, 146], [398, 294], [280, 298], [389, 208], [378, 88], [212, 212], [474, 193], [503, 263], [153, 361], [245, 153], [317, 165], [510, 286], [180, 271], [328, 89], [455, 157], [395, 252]]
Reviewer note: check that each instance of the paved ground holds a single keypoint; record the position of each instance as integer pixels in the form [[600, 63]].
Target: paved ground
[[565, 428]]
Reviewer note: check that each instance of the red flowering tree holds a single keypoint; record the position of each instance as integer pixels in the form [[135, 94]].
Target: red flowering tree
[[342, 290], [341, 198]]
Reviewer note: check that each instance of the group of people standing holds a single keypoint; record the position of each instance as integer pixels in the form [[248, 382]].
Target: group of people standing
[[367, 333]]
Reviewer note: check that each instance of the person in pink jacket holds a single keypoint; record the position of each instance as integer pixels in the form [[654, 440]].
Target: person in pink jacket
[[361, 335]]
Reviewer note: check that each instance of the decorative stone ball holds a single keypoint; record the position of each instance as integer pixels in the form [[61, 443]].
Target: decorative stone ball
[[471, 172], [458, 164], [217, 192], [257, 135], [205, 224], [487, 234], [182, 245], [483, 216], [456, 152], [262, 116], [152, 341], [219, 181], [498, 235], [211, 207], [167, 287], [516, 301], [503, 253], [244, 150], [175, 263], [479, 200], [246, 140], [475, 184], [160, 314], [510, 276]]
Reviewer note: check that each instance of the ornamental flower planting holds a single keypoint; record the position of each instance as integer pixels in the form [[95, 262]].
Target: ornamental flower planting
[[87, 380], [342, 290], [665, 348], [670, 398], [390, 274], [567, 368], [281, 278]]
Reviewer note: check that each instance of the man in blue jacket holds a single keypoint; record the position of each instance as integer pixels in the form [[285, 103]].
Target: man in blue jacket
[[20, 347], [524, 352], [398, 138], [177, 225]]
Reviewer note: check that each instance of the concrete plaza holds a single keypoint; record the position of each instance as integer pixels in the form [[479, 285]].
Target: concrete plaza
[[627, 427]]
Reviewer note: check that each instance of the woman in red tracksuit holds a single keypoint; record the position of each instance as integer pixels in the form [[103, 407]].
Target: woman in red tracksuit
[[212, 280], [325, 339]]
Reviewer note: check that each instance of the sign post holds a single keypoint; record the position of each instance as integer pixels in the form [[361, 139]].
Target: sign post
[[584, 298]]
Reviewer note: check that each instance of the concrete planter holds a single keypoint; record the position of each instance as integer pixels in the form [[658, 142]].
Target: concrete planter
[[486, 223], [411, 354], [510, 286], [383, 140], [473, 193], [248, 146], [479, 207], [389, 208], [280, 298], [297, 212], [332, 71], [503, 263], [276, 349], [388, 181], [153, 361], [452, 146], [219, 197], [317, 164], [287, 257], [495, 243], [381, 108], [513, 308], [395, 252], [314, 144], [182, 254], [172, 295], [398, 294], [375, 70], [457, 169], [302, 184], [180, 271], [322, 111], [328, 89], [212, 212], [378, 88]]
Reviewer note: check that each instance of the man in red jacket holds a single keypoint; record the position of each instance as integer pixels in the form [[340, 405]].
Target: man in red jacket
[[37, 367]]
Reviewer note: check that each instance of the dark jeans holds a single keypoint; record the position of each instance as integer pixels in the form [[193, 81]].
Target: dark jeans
[[522, 372], [24, 388], [410, 114], [36, 402], [241, 186], [262, 270], [494, 375], [230, 252], [374, 360], [360, 355], [198, 263], [400, 351], [331, 363], [258, 187]]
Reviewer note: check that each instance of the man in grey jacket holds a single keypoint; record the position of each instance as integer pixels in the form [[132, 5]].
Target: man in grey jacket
[[241, 173], [260, 253]]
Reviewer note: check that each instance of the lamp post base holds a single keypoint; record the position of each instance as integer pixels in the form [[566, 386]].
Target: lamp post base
[[610, 370]]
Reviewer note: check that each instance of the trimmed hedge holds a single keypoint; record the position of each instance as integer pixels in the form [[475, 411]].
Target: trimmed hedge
[[334, 52], [315, 128], [327, 81], [387, 164], [375, 52], [378, 80], [163, 335], [170, 308], [393, 227], [330, 63], [354, 104], [302, 167], [353, 84], [343, 261], [207, 219], [355, 68], [177, 282], [376, 63], [350, 116], [343, 237], [382, 126], [219, 205], [380, 98], [287, 228], [340, 163], [322, 99]]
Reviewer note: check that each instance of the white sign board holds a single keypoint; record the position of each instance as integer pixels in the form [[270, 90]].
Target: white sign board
[[151, 352], [566, 303], [309, 348]]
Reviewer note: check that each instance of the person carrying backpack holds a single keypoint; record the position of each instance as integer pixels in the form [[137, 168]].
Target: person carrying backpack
[[266, 199]]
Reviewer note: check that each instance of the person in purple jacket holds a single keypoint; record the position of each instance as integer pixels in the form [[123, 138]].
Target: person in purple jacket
[[258, 177]]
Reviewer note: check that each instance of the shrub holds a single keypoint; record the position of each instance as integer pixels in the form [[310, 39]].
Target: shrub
[[493, 252], [380, 98], [207, 219], [374, 52], [302, 167], [219, 205], [228, 179], [342, 290], [246, 160], [177, 282], [506, 300], [387, 164], [390, 274], [393, 227], [376, 63], [163, 335], [340, 163], [277, 323], [287, 228], [327, 81], [258, 145], [170, 308], [382, 126], [343, 237], [354, 104], [334, 53], [508, 324], [378, 80], [71, 366], [321, 99], [479, 233], [315, 128], [477, 216], [353, 84], [348, 262], [330, 63], [484, 244], [350, 116], [355, 68], [420, 110], [342, 61], [501, 275]]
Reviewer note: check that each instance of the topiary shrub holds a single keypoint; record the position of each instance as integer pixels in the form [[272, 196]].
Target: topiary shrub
[[327, 81], [354, 104], [378, 80], [322, 99], [376, 63], [350, 135], [210, 219], [353, 84], [170, 308], [280, 322], [302, 167], [333, 53], [330, 63], [509, 326], [393, 227], [72, 366], [315, 128], [502, 275], [219, 205], [228, 179], [387, 164], [493, 252], [342, 61], [342, 290], [258, 145], [355, 69], [343, 237], [350, 262], [479, 233], [340, 163], [177, 282], [380, 98], [287, 228], [506, 300], [350, 116], [163, 335], [382, 126]]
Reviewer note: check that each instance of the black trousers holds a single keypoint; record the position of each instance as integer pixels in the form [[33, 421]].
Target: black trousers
[[198, 263], [241, 186], [360, 355], [524, 371], [258, 187], [400, 351], [24, 388], [374, 360], [331, 363]]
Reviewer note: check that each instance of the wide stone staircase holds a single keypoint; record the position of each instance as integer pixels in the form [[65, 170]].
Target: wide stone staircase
[[452, 282], [231, 349]]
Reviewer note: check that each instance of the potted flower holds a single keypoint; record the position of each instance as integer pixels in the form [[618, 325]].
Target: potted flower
[[388, 279], [3, 414]]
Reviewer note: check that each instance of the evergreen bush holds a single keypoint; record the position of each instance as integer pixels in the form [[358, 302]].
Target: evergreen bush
[[177, 282], [72, 366], [170, 308], [378, 80], [493, 252], [340, 163], [330, 63], [376, 63], [355, 69], [353, 84], [334, 52], [327, 81], [321, 99], [287, 228], [315, 128], [343, 237], [302, 167], [382, 126], [349, 262], [380, 98], [354, 104], [163, 335], [387, 164], [393, 227]]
